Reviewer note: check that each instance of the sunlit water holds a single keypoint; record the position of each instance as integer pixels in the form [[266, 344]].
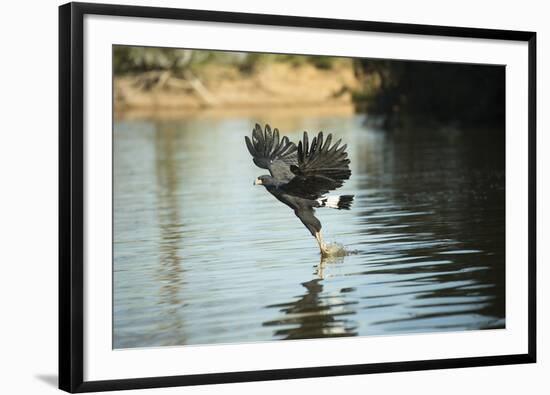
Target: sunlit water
[[202, 256]]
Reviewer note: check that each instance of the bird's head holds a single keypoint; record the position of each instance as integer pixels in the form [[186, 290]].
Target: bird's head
[[264, 180]]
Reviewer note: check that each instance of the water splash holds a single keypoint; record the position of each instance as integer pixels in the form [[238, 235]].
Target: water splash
[[336, 254], [336, 249]]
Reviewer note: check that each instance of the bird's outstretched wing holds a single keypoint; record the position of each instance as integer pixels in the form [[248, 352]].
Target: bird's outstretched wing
[[270, 152], [321, 167]]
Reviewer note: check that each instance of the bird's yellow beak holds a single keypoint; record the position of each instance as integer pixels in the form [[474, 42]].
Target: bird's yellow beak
[[257, 181]]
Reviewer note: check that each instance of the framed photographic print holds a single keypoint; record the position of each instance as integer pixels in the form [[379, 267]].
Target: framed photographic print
[[253, 197]]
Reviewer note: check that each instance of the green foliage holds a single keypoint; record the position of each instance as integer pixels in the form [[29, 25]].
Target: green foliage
[[322, 62], [250, 62], [128, 59], [134, 59]]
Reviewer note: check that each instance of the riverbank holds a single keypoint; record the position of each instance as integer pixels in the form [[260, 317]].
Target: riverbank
[[219, 90]]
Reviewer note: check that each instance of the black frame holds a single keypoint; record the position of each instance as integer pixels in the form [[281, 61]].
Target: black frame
[[71, 197]]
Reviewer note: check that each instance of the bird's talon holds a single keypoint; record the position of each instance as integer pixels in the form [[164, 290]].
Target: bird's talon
[[322, 245]]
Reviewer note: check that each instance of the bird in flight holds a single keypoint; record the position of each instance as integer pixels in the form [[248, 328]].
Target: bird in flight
[[301, 176]]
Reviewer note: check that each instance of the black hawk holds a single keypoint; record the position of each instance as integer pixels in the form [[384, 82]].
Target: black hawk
[[302, 175]]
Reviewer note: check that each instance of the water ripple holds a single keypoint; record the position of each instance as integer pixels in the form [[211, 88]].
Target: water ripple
[[201, 256]]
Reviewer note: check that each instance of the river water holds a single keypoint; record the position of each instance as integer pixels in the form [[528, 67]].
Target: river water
[[202, 256]]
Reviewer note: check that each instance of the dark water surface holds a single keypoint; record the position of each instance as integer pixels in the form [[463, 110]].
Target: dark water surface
[[201, 256]]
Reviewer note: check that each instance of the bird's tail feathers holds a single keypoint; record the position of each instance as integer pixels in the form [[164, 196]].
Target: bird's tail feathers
[[340, 202]]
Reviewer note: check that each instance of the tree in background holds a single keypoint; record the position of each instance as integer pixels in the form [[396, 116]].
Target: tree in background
[[448, 93]]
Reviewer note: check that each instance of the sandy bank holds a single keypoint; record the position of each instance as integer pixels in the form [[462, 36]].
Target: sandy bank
[[219, 90]]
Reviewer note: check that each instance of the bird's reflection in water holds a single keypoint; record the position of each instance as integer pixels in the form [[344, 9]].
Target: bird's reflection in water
[[317, 313], [326, 262]]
